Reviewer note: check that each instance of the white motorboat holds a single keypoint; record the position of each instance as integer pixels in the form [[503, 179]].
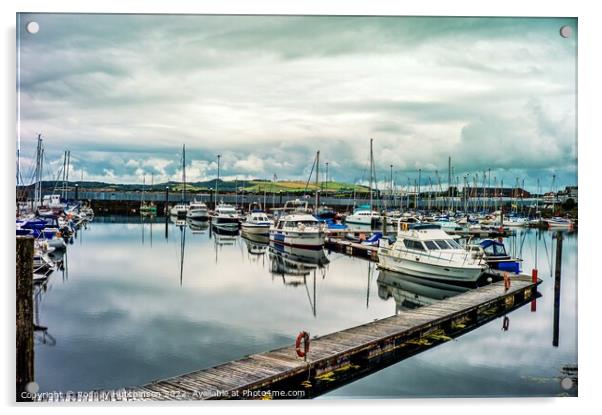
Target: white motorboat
[[559, 223], [257, 222], [298, 228], [426, 251], [197, 211], [225, 217], [364, 216], [515, 221], [180, 210]]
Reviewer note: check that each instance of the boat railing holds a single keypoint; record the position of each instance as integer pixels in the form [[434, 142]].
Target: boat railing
[[452, 255]]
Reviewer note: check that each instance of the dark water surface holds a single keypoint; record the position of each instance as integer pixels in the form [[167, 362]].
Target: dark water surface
[[134, 305]]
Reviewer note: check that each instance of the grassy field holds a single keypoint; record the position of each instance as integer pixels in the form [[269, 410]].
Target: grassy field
[[289, 186], [299, 187]]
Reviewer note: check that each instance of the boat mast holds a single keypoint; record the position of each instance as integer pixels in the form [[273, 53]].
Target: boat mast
[[37, 196], [537, 198], [419, 180], [67, 172], [317, 181], [219, 156], [449, 183], [553, 193], [184, 172], [371, 170]]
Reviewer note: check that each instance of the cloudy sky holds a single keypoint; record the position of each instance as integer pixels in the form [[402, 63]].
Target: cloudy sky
[[124, 92]]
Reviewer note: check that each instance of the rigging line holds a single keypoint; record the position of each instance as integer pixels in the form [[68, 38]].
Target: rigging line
[[309, 178]]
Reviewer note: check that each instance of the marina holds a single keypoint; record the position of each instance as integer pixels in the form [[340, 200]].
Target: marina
[[305, 288], [229, 207]]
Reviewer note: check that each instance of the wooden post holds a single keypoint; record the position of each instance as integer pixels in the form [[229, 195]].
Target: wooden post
[[24, 300], [534, 281], [557, 273], [166, 200]]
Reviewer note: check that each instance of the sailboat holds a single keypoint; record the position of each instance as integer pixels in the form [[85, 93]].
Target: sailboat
[[146, 208], [366, 215], [181, 209]]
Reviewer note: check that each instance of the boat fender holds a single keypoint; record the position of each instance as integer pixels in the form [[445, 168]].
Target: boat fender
[[305, 337], [506, 281]]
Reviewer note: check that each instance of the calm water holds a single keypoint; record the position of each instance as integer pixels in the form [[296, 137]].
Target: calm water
[[134, 305]]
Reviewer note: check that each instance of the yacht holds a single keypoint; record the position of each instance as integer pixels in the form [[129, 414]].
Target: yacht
[[297, 227], [225, 217], [180, 210], [513, 220], [197, 211], [257, 222], [426, 251], [364, 216], [559, 223]]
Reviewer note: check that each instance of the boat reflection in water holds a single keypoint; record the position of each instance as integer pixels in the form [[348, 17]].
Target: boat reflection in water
[[257, 244], [411, 292], [296, 265], [291, 261], [197, 226]]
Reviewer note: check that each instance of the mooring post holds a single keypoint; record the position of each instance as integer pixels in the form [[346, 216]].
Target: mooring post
[[534, 281], [24, 300], [166, 201], [557, 272]]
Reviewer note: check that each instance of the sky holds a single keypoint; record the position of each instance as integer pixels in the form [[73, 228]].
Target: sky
[[123, 93]]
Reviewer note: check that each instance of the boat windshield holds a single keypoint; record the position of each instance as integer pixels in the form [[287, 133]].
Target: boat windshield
[[447, 244], [301, 222], [416, 245], [431, 245]]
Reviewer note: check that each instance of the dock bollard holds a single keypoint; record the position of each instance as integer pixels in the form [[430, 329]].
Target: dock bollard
[[534, 276]]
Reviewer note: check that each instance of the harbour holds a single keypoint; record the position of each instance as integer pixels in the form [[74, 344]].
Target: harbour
[[279, 207], [301, 286]]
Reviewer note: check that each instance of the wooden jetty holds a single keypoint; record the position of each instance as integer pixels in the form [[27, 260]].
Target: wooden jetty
[[343, 356], [351, 248]]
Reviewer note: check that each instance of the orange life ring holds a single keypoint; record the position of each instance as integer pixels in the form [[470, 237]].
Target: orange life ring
[[305, 337]]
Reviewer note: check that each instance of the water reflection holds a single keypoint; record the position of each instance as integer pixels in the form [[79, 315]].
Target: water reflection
[[257, 245], [295, 265], [132, 315], [197, 227], [411, 292]]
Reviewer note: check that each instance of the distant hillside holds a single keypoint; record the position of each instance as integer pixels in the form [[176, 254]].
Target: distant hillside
[[252, 186]]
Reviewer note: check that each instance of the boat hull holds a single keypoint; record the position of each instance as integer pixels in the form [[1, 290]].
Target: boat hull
[[307, 240], [428, 270], [256, 229], [198, 215], [362, 220]]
